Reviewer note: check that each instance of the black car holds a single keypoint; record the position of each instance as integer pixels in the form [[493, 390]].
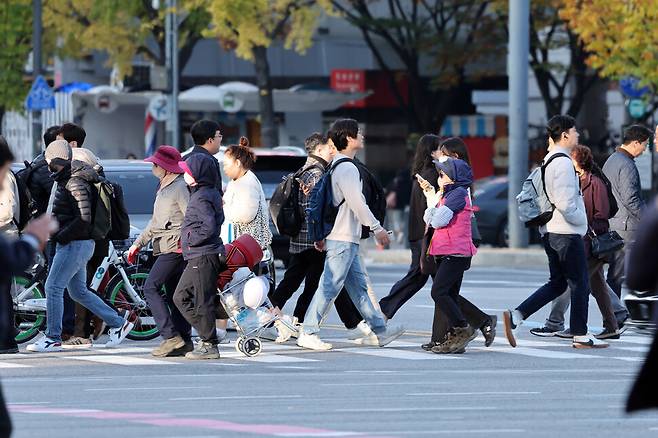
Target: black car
[[490, 205]]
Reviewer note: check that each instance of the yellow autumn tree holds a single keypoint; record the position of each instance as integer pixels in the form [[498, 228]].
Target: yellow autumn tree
[[249, 27], [123, 29], [621, 36]]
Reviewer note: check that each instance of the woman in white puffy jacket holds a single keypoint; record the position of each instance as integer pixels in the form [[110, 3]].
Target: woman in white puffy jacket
[[245, 205]]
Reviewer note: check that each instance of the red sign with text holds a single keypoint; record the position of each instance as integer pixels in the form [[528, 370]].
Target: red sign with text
[[350, 81]]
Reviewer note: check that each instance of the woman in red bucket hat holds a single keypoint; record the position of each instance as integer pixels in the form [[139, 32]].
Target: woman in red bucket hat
[[163, 230]]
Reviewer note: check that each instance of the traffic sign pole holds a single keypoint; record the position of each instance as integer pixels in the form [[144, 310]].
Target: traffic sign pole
[[36, 71]]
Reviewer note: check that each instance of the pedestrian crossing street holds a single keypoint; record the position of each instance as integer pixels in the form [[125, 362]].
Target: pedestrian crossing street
[[630, 348]]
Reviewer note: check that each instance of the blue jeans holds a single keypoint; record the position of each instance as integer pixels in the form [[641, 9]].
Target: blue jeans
[[69, 270], [342, 268], [568, 267]]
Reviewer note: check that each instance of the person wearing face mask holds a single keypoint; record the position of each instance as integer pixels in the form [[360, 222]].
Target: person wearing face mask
[[163, 230], [73, 204]]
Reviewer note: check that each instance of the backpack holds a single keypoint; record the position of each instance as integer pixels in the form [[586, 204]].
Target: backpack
[[614, 207], [535, 209], [102, 211], [285, 204], [27, 208], [120, 224], [374, 194], [321, 212]]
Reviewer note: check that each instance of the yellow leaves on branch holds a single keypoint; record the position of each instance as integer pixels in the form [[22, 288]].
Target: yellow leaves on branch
[[245, 24], [621, 35]]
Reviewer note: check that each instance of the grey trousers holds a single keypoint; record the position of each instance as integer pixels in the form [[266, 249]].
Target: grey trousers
[[611, 307]]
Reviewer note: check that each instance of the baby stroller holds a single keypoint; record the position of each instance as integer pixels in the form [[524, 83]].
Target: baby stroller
[[244, 295]]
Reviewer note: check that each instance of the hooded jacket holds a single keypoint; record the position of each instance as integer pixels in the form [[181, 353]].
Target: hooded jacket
[[74, 201], [451, 218], [204, 215]]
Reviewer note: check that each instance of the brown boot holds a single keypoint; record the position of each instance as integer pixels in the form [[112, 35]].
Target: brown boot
[[168, 346]]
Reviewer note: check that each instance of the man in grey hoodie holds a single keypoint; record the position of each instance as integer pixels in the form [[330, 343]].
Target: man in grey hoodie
[[562, 237], [624, 177]]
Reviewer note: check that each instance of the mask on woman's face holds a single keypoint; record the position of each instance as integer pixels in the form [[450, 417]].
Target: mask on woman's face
[[52, 169], [159, 172]]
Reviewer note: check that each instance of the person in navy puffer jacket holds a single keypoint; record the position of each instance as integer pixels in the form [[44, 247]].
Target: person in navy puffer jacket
[[204, 252], [452, 247]]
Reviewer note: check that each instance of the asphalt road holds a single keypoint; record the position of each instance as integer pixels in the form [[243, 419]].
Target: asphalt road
[[543, 388]]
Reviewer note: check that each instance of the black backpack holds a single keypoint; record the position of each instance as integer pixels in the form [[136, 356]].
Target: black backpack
[[374, 194], [120, 228], [614, 207], [285, 208], [27, 208]]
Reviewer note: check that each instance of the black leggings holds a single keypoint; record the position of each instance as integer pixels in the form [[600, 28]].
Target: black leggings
[[445, 293]]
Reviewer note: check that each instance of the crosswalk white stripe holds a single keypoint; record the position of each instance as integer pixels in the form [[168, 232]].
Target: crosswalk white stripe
[[535, 352], [120, 360], [266, 358], [123, 350], [397, 354], [4, 364]]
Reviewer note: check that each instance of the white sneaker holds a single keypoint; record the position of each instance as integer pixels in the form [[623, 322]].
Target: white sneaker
[[283, 329], [312, 342], [118, 334], [588, 341], [45, 345], [390, 335], [362, 330]]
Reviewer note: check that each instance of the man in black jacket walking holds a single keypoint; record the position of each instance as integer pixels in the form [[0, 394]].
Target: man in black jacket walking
[[15, 257], [74, 202]]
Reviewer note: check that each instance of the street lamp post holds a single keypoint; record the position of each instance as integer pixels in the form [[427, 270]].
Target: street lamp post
[[517, 70], [36, 71], [171, 62]]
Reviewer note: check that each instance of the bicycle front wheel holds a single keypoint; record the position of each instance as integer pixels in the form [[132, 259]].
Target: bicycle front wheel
[[27, 323], [145, 326]]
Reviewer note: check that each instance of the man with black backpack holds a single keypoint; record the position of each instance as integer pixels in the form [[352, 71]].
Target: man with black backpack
[[306, 263], [562, 228], [74, 203], [36, 175], [342, 189]]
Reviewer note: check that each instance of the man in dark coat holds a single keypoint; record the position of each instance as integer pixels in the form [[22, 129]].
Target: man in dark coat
[[15, 257]]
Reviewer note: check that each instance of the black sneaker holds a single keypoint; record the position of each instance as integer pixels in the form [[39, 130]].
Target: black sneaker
[[429, 345], [544, 332], [608, 334], [489, 330]]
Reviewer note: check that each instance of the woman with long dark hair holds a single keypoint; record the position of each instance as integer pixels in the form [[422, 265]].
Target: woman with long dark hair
[[431, 147]]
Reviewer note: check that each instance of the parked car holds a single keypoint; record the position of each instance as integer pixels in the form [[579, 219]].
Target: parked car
[[490, 205]]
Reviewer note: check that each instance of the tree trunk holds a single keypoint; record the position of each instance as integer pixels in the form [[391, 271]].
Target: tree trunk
[[268, 129]]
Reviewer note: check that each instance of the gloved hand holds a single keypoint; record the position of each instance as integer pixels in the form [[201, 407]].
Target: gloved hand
[[132, 254]]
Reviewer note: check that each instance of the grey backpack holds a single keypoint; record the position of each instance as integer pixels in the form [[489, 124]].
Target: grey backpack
[[535, 209]]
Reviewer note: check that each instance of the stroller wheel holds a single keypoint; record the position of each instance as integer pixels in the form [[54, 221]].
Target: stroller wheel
[[239, 345], [251, 347]]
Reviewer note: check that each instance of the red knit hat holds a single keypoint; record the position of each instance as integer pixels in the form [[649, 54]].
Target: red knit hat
[[166, 157]]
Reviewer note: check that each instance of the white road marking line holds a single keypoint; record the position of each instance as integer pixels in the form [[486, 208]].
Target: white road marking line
[[428, 409], [145, 388], [636, 349], [124, 350], [629, 359], [13, 365], [320, 434], [644, 340], [455, 432], [235, 397], [120, 360], [450, 393], [397, 354], [385, 383], [265, 358], [535, 352], [591, 380], [283, 367]]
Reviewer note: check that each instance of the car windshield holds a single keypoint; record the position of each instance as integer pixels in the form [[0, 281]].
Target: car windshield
[[270, 170], [139, 187]]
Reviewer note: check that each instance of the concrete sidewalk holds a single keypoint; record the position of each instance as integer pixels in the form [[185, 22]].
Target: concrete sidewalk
[[486, 256]]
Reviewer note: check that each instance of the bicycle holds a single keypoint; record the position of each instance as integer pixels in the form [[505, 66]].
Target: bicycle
[[125, 291], [29, 300]]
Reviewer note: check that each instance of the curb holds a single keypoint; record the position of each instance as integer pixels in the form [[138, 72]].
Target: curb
[[484, 257]]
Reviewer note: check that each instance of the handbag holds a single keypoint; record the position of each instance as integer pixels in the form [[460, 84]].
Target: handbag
[[258, 228], [606, 243], [428, 264]]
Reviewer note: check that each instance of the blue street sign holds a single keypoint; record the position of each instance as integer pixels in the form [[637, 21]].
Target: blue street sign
[[41, 96], [630, 86]]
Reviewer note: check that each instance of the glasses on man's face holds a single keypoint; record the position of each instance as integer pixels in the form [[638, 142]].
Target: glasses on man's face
[[440, 174], [219, 135]]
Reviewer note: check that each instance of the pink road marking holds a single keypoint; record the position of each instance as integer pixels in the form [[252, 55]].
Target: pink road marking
[[164, 420]]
